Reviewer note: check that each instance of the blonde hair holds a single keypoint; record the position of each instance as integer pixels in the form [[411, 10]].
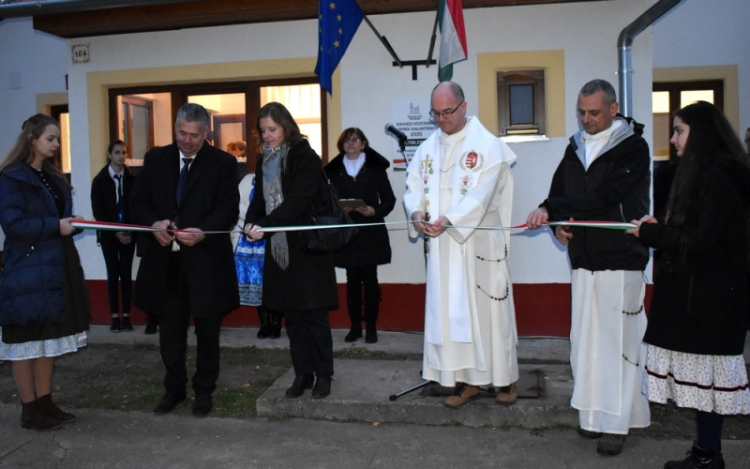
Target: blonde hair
[[31, 129]]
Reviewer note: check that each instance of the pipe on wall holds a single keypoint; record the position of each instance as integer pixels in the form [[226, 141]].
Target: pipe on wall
[[624, 43]]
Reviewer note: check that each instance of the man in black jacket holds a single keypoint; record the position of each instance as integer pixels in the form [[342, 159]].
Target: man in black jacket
[[191, 186], [604, 176]]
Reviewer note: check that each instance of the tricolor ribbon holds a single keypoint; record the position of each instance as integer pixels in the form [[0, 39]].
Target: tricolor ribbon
[[108, 226], [609, 225]]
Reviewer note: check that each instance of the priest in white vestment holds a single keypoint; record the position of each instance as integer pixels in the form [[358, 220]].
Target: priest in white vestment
[[458, 187]]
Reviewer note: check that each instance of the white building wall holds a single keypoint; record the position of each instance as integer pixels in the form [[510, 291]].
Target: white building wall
[[39, 60], [31, 62], [708, 33], [587, 32]]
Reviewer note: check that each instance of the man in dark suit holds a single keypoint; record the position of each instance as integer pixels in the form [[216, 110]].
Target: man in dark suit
[[189, 186]]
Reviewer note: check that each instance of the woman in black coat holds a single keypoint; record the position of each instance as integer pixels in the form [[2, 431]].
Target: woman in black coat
[[298, 284], [359, 172], [698, 316], [110, 201]]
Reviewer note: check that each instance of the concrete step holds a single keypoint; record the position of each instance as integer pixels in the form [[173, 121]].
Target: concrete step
[[361, 390]]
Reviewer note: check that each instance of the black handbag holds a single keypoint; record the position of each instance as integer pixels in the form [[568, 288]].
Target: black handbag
[[325, 209]]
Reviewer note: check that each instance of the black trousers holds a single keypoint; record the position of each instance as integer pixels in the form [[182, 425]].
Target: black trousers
[[118, 258], [310, 341], [174, 322], [359, 279]]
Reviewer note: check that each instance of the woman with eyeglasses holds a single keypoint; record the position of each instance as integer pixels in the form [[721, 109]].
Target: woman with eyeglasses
[[698, 317], [360, 173]]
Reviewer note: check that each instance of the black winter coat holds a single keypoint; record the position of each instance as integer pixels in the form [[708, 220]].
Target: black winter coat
[[614, 188], [104, 198], [701, 307], [210, 202], [309, 282], [371, 246]]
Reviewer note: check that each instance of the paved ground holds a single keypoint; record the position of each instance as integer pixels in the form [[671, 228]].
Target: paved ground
[[113, 439]]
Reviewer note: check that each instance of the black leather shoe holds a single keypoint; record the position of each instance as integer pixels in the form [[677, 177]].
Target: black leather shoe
[[610, 444], [299, 385], [274, 331], [322, 387], [698, 458], [202, 405], [371, 334], [126, 325], [589, 434], [354, 333], [168, 402], [151, 324]]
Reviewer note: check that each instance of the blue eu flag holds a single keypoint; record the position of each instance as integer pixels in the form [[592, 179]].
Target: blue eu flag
[[338, 20]]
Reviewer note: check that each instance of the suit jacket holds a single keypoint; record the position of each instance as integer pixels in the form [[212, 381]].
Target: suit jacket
[[104, 198], [210, 201]]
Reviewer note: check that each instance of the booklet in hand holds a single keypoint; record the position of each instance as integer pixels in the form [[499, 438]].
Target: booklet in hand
[[352, 203]]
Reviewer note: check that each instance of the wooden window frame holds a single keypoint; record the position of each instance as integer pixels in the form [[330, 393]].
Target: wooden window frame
[[507, 79], [251, 89], [676, 87]]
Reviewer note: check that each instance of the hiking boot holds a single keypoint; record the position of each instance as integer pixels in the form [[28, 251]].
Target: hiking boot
[[462, 394], [507, 395]]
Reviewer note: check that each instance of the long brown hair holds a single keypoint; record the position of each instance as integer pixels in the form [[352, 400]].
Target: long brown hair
[[711, 141], [31, 130], [281, 116]]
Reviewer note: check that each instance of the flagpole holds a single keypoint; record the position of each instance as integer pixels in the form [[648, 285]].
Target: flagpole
[[432, 40], [384, 41]]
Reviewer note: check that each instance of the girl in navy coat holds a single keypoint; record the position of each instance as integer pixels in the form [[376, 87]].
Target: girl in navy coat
[[44, 307]]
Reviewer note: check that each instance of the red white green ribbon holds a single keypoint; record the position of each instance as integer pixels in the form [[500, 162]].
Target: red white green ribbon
[[107, 226], [609, 225]]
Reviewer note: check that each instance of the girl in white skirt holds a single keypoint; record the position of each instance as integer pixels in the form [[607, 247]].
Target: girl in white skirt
[[699, 312], [44, 309]]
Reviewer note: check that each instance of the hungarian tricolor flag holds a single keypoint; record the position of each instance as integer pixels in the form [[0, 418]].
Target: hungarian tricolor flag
[[452, 37]]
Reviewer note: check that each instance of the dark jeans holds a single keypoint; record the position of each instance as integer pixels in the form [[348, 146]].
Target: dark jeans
[[359, 279], [310, 341], [118, 258], [174, 322]]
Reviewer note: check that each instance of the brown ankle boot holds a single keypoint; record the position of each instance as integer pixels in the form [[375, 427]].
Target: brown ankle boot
[[32, 416], [49, 408], [462, 394]]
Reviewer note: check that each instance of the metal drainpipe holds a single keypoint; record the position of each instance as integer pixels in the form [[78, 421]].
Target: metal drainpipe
[[624, 43], [15, 9]]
